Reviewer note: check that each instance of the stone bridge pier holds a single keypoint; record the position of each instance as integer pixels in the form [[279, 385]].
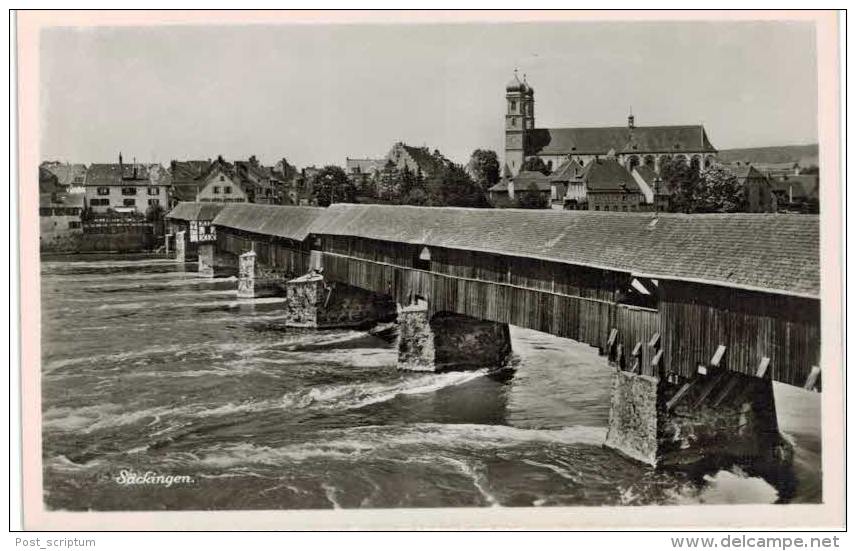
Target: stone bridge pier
[[180, 246], [447, 341], [212, 259], [711, 421], [312, 301]]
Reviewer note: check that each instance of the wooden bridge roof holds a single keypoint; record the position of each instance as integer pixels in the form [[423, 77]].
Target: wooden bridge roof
[[291, 222], [195, 211], [778, 253]]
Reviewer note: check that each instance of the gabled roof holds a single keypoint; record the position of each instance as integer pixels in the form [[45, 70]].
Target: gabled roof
[[568, 171], [186, 171], [291, 222], [599, 140], [115, 174], [608, 175], [66, 173], [502, 185], [745, 172], [195, 211], [777, 253], [424, 159]]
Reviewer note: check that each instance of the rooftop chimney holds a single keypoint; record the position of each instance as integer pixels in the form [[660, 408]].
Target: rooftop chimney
[[631, 120]]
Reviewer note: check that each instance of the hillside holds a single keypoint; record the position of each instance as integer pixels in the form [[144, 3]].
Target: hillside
[[805, 155]]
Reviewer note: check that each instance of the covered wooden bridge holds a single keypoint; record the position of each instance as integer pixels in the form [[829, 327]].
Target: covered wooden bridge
[[661, 294]]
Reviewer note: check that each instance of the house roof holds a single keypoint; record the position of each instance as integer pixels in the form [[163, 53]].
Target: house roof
[[569, 170], [776, 253], [195, 211], [744, 172], [502, 185], [805, 186], [641, 139], [185, 171], [115, 175], [291, 222], [647, 173], [364, 166], [66, 173], [527, 178], [424, 159], [48, 182], [608, 175]]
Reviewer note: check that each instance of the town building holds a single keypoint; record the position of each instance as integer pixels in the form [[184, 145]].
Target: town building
[[633, 145], [363, 173], [59, 212], [524, 189], [71, 176], [757, 190], [610, 187], [798, 193], [385, 174], [187, 179], [127, 188], [568, 185]]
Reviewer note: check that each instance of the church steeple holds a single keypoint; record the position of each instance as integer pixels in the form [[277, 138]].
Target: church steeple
[[519, 120], [631, 120]]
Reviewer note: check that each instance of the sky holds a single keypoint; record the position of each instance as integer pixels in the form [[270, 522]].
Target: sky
[[315, 94]]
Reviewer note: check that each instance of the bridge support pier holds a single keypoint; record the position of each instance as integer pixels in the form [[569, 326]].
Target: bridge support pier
[[180, 246], [210, 259], [447, 342], [313, 302], [711, 421]]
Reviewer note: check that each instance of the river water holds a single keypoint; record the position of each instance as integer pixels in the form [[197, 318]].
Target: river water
[[148, 367]]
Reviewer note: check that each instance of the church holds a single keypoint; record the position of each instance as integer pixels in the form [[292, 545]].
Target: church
[[630, 145]]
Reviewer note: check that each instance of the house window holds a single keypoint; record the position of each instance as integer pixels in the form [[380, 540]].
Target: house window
[[216, 189], [154, 202], [221, 178], [73, 225], [154, 190], [78, 179], [513, 105], [104, 191], [129, 202], [227, 189], [99, 202], [129, 191]]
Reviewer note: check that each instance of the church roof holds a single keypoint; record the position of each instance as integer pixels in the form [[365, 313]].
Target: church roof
[[641, 139]]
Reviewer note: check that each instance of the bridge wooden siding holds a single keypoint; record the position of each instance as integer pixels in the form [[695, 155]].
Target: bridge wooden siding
[[695, 319], [692, 320]]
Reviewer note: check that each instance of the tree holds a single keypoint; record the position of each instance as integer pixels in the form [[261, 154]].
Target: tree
[[532, 198], [333, 186], [683, 182], [453, 187], [535, 164], [719, 191], [485, 168]]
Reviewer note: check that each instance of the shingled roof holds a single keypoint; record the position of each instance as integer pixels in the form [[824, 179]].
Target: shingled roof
[[569, 170], [776, 253], [607, 175], [640, 139], [195, 211], [291, 222]]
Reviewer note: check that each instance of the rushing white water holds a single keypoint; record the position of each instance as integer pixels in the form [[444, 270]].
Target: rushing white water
[[148, 367]]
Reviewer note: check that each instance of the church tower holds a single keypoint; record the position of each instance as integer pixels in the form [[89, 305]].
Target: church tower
[[519, 119]]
